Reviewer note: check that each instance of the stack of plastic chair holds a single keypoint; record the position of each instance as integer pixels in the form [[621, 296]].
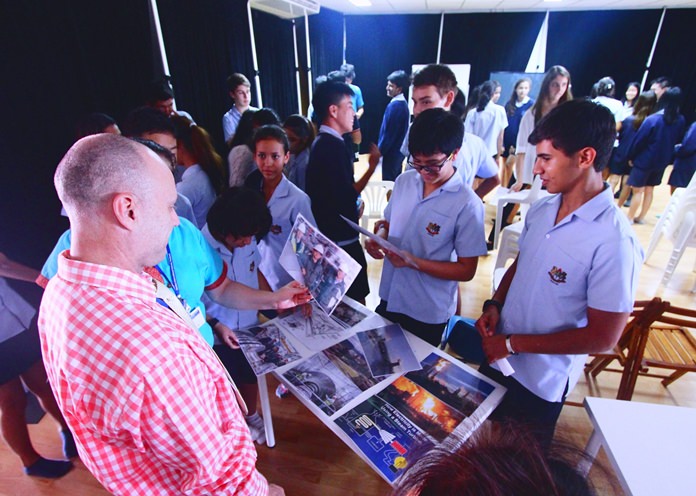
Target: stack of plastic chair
[[375, 197], [678, 224], [525, 198]]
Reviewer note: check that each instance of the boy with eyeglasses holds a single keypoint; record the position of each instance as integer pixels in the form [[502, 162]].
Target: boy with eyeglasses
[[431, 214]]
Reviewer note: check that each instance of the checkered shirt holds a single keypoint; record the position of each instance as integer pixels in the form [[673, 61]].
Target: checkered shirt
[[151, 408]]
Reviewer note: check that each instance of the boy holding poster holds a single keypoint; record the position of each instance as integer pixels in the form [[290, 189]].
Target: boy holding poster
[[432, 214]]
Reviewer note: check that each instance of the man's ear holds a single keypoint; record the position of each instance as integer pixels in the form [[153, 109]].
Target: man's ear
[[586, 157], [333, 111], [454, 154], [124, 208], [449, 99]]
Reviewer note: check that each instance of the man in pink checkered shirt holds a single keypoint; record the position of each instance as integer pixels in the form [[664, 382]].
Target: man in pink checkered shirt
[[152, 409]]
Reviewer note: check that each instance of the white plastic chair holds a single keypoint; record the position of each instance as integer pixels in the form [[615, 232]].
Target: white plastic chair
[[375, 197], [509, 248], [683, 234], [669, 216], [524, 198]]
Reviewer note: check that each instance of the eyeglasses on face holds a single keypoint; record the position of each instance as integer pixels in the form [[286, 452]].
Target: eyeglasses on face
[[430, 167]]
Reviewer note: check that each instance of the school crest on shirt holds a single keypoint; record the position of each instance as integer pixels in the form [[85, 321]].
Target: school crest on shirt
[[252, 266], [557, 275], [433, 229], [276, 229]]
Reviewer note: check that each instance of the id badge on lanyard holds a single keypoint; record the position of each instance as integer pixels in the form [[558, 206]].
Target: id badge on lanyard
[[195, 313]]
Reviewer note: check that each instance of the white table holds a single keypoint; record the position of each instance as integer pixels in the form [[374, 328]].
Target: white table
[[651, 447]]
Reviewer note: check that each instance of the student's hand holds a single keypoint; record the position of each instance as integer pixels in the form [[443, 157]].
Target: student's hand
[[306, 310], [494, 347], [399, 261], [488, 322], [291, 295], [373, 249], [373, 158], [275, 490], [226, 335]]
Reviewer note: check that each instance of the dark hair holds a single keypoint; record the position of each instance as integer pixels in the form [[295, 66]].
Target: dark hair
[[159, 90], [237, 79], [644, 106], [399, 79], [458, 106], [264, 117], [669, 102], [163, 153], [302, 127], [196, 141], [578, 124], [510, 106], [438, 75], [320, 79], [663, 81], [473, 99], [338, 76], [497, 460], [606, 87], [594, 91], [146, 120], [435, 131], [348, 70], [245, 129], [551, 74], [239, 212], [271, 132], [93, 123], [636, 84], [485, 94], [327, 94]]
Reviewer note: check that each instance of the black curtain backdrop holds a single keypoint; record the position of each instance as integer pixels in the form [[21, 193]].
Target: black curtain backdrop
[[675, 56], [595, 44], [276, 56], [379, 45], [490, 42], [206, 41], [326, 41], [59, 60]]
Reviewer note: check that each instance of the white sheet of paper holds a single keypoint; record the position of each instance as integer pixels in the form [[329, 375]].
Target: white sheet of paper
[[382, 242], [288, 260]]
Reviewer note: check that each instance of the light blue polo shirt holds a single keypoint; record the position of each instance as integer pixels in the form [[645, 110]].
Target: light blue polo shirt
[[589, 259], [449, 219], [197, 266], [243, 266], [285, 204]]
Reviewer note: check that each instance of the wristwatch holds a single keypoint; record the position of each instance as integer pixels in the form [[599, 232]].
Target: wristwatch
[[494, 303], [508, 344]]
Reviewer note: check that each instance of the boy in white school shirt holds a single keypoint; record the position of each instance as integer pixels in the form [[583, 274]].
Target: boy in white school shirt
[[431, 214]]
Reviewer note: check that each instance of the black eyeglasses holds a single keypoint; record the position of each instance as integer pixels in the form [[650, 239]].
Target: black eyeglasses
[[428, 168]]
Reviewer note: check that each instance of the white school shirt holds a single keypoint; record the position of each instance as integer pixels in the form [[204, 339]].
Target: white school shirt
[[487, 125], [523, 146], [472, 160], [449, 219], [242, 266], [230, 121], [589, 259], [286, 202]]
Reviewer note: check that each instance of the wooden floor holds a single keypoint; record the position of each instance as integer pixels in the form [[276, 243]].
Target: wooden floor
[[309, 460]]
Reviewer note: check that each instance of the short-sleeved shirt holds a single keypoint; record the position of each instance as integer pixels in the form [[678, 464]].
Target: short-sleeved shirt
[[230, 121], [197, 266], [473, 159], [285, 204], [487, 125], [449, 219], [243, 266], [590, 259], [15, 312], [196, 186], [357, 98], [523, 146]]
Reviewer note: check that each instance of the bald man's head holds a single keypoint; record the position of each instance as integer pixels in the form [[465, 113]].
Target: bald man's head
[[97, 167]]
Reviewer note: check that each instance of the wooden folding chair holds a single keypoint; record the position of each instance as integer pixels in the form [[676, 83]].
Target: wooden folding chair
[[644, 313], [667, 343]]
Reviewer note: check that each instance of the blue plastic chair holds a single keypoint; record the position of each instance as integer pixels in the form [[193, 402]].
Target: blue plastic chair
[[463, 339]]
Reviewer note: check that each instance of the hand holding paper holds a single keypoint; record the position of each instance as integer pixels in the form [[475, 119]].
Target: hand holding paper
[[383, 243]]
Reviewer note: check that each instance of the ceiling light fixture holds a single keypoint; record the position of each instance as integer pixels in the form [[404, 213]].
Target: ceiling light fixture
[[361, 3]]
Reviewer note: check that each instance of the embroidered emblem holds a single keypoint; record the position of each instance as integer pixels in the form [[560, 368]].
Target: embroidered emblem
[[276, 229], [557, 275], [433, 229], [252, 266]]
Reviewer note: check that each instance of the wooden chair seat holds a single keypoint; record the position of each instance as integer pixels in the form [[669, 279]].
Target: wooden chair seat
[[670, 347]]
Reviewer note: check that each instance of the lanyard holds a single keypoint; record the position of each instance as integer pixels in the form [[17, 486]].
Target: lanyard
[[173, 285]]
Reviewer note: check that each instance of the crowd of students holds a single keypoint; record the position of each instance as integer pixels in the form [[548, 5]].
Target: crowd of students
[[222, 257]]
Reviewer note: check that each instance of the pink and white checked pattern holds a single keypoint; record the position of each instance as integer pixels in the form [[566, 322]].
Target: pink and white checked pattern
[[151, 407]]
